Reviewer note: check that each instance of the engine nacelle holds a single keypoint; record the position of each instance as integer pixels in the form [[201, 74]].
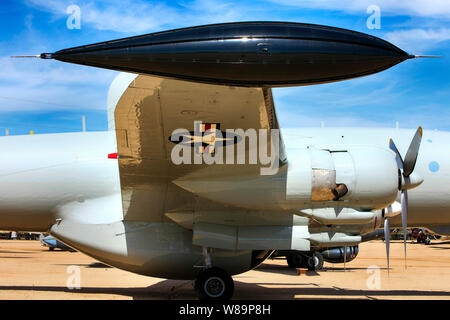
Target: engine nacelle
[[364, 178], [359, 176]]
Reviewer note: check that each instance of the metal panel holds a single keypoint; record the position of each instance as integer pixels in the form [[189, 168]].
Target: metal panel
[[251, 237], [298, 185], [215, 235]]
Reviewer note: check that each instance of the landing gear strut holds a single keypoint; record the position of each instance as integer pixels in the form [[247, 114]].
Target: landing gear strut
[[213, 283]]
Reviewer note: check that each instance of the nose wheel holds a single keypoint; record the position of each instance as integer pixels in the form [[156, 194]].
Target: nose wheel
[[214, 284]]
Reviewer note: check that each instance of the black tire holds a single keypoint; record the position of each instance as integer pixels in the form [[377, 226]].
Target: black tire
[[51, 248], [295, 260], [318, 260], [311, 263], [214, 284], [290, 261]]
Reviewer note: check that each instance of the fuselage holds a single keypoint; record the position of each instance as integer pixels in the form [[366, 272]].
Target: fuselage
[[41, 173], [51, 176]]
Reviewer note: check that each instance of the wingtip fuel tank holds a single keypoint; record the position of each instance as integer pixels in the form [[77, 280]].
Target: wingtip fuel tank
[[261, 54]]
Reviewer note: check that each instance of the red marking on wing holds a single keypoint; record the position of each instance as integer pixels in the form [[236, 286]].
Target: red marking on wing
[[113, 156]]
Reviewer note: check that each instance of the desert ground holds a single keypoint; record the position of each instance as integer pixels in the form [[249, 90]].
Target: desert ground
[[30, 271]]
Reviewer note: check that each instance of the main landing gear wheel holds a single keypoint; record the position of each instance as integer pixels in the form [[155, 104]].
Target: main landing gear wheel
[[315, 261], [214, 284]]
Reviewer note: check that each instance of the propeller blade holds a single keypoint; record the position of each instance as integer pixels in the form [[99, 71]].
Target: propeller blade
[[398, 156], [404, 202], [407, 166], [411, 155], [387, 236]]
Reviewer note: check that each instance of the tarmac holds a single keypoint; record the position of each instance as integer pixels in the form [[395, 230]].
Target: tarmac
[[30, 271]]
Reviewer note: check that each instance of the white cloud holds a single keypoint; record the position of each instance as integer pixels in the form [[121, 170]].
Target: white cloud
[[37, 72], [29, 21], [136, 17], [142, 16], [120, 16], [31, 84], [422, 8], [418, 41]]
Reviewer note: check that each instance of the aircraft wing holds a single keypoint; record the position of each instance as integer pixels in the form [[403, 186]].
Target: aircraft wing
[[146, 116]]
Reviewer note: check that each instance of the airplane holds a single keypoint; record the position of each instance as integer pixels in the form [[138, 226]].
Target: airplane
[[425, 235], [151, 196], [52, 243]]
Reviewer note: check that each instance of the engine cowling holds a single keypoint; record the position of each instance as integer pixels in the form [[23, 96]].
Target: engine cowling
[[365, 178], [361, 176]]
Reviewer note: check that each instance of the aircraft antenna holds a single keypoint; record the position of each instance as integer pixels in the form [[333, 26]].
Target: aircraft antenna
[[413, 56], [36, 56], [42, 56]]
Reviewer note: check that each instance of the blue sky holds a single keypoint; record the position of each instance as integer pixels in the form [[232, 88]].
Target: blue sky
[[50, 96]]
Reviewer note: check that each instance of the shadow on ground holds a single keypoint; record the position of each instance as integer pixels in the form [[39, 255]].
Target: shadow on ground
[[98, 265], [177, 289]]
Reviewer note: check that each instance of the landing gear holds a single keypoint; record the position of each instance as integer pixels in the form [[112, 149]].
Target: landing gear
[[315, 262], [311, 260], [213, 283]]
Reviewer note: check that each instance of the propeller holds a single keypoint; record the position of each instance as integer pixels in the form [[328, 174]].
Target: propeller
[[387, 238], [407, 180]]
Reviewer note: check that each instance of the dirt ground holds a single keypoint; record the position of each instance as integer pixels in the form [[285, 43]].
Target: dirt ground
[[30, 271]]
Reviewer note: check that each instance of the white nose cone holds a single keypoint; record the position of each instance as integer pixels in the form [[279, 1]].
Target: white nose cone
[[412, 181]]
